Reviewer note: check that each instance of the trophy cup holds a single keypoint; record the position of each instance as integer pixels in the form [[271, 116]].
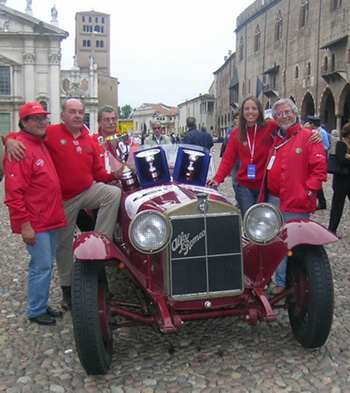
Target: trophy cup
[[190, 172], [149, 156], [122, 148]]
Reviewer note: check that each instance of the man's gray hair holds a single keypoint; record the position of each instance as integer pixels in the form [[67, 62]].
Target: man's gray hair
[[284, 101], [104, 108]]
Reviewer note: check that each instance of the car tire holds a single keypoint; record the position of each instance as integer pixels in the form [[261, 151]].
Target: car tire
[[310, 308], [93, 335]]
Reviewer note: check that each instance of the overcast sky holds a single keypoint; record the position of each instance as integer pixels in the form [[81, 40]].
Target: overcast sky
[[161, 52]]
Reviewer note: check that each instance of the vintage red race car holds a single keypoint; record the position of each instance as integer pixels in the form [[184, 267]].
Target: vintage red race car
[[186, 248]]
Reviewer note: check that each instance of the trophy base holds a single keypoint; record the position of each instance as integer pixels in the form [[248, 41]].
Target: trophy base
[[129, 181]]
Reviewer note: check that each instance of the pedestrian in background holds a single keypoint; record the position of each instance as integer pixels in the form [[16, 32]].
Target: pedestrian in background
[[157, 138], [341, 182], [235, 118], [193, 136], [315, 124], [207, 139], [34, 199]]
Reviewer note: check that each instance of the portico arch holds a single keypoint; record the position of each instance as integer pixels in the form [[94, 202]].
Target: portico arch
[[327, 110], [307, 107], [344, 107]]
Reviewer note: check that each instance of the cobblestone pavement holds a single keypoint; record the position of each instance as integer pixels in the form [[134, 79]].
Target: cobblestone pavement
[[220, 355]]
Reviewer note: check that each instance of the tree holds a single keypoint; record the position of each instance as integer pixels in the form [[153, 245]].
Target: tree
[[125, 111]]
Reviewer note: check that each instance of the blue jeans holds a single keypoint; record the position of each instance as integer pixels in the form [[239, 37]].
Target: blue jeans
[[281, 271], [39, 271], [246, 197]]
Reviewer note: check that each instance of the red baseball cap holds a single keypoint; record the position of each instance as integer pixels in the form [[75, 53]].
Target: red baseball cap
[[32, 108]]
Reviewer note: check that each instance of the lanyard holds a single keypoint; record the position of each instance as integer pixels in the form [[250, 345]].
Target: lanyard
[[252, 145], [285, 142]]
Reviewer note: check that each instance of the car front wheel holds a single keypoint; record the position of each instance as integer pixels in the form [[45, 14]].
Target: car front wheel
[[311, 305], [93, 334]]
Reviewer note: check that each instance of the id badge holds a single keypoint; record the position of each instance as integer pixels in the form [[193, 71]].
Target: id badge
[[251, 171], [272, 160]]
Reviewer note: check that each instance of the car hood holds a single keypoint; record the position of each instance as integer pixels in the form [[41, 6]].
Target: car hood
[[167, 196]]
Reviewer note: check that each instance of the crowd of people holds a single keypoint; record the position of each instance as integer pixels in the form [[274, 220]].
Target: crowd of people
[[276, 160]]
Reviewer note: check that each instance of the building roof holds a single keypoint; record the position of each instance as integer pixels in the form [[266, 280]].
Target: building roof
[[39, 27], [160, 108]]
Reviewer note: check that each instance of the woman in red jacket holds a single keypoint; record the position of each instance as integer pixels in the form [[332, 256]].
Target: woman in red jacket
[[250, 142], [34, 199]]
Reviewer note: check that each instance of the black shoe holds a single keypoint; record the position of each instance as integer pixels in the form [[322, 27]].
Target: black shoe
[[321, 207], [54, 313], [43, 319], [66, 303]]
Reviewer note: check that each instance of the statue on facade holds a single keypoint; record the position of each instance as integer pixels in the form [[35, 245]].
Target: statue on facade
[[29, 5], [54, 13]]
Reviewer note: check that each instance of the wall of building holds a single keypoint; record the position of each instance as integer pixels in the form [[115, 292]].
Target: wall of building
[[30, 50], [286, 44]]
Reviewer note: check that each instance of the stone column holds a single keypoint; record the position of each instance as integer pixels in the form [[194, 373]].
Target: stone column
[[29, 76], [54, 93]]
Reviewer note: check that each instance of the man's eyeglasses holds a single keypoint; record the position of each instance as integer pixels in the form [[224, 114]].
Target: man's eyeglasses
[[286, 113], [156, 128], [38, 118]]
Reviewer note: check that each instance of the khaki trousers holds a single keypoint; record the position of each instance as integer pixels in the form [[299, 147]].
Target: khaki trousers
[[100, 196]]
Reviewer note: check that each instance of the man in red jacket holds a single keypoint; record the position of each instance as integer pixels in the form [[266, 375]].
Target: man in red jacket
[[34, 199], [82, 177], [296, 168]]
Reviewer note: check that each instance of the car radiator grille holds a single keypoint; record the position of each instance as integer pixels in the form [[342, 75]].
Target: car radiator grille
[[205, 256]]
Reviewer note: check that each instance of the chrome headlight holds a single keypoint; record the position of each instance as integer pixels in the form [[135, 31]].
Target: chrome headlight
[[150, 231], [262, 223]]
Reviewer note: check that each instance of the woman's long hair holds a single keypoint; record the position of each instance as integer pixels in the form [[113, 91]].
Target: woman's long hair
[[242, 124]]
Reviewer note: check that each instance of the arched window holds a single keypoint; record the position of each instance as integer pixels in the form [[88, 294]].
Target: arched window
[[296, 72], [333, 62], [97, 28], [88, 43], [102, 44], [65, 84], [97, 44], [44, 105], [334, 4], [304, 13], [84, 84], [325, 63], [278, 26], [257, 36], [308, 68]]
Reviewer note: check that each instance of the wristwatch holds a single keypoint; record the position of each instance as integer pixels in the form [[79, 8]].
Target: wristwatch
[[310, 194]]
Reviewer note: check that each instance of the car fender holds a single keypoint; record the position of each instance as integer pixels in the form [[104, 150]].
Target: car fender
[[96, 246], [261, 261], [302, 231]]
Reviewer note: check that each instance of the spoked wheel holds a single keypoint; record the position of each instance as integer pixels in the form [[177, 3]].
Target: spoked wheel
[[93, 334], [311, 305]]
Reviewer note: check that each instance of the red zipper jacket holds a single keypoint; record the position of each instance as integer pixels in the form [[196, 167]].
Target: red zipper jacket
[[299, 167], [32, 188], [77, 161], [236, 149]]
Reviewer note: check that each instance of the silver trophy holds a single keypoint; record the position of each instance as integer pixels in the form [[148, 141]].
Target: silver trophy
[[190, 171], [122, 149], [149, 156]]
